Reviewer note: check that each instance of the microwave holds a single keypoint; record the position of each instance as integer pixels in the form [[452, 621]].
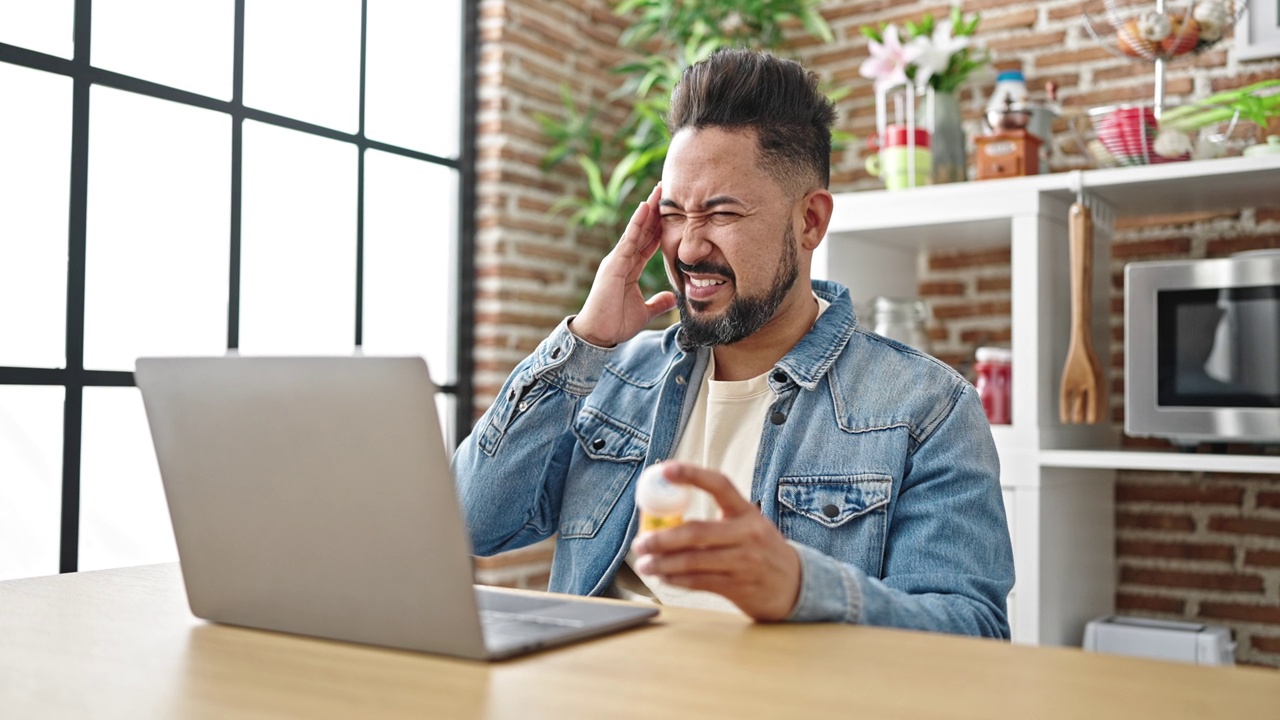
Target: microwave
[[1202, 349]]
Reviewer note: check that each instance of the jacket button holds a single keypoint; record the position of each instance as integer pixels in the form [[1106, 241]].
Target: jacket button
[[555, 353], [597, 444], [831, 511], [778, 417], [780, 377], [680, 380]]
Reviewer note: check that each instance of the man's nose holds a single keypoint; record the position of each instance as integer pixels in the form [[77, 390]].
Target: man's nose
[[694, 245]]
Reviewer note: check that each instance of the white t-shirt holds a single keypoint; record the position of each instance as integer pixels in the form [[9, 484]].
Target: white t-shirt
[[723, 432]]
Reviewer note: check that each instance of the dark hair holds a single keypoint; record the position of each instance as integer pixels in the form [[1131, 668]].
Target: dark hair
[[778, 99]]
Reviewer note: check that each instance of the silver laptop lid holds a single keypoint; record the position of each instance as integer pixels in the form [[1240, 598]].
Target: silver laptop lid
[[314, 496]]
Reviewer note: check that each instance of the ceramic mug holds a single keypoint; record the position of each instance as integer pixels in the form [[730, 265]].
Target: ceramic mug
[[891, 163]]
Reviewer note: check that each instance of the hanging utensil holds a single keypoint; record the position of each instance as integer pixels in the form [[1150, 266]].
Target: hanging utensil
[[1082, 397]]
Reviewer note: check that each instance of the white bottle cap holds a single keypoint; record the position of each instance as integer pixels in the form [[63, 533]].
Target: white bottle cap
[[658, 496], [993, 354]]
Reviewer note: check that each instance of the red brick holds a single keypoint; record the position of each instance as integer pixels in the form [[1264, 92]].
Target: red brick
[[1267, 214], [509, 272], [1074, 11], [1187, 218], [1150, 603], [1026, 41], [986, 336], [1245, 526], [1227, 582], [1227, 246], [1238, 80], [1174, 551], [1269, 499], [995, 284], [1145, 248], [1023, 18], [1000, 308], [1262, 558], [1200, 495], [1265, 643], [941, 287], [1155, 521], [969, 258], [1267, 614], [1073, 57]]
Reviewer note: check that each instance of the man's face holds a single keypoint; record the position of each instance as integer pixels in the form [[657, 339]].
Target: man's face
[[727, 235]]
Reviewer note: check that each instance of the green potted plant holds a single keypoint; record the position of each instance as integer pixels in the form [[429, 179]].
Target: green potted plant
[[1256, 103], [621, 164]]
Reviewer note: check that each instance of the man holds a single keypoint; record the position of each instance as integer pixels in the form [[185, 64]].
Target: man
[[846, 477]]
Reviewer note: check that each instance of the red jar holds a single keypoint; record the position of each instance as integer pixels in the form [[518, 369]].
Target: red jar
[[995, 382]]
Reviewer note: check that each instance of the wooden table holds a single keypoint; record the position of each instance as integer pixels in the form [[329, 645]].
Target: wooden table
[[122, 643]]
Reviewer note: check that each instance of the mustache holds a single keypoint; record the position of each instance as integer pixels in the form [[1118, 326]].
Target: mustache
[[706, 268]]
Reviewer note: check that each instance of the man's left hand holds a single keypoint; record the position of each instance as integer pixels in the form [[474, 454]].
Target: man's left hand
[[741, 556]]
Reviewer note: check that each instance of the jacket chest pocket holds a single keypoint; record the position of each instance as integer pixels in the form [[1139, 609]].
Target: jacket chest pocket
[[844, 516], [606, 455]]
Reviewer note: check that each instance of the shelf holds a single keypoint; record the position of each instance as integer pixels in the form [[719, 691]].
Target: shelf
[[1169, 461], [978, 213]]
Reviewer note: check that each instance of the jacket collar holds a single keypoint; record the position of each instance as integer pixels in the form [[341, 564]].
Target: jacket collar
[[810, 359]]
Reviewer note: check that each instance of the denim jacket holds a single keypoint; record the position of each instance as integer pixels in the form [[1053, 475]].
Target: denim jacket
[[876, 463]]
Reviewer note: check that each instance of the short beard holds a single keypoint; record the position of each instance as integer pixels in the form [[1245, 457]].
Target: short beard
[[745, 315]]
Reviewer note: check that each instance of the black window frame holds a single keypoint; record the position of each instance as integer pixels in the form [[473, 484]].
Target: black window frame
[[74, 378]]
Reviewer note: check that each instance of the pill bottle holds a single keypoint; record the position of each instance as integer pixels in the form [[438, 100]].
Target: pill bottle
[[662, 503], [995, 375]]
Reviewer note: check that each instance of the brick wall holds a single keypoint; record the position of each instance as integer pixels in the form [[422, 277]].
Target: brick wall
[[1190, 545], [531, 269]]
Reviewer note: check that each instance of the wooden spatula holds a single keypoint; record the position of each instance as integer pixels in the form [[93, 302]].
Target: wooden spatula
[[1083, 395]]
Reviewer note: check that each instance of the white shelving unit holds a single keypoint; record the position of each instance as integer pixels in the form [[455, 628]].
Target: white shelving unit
[[1058, 479]]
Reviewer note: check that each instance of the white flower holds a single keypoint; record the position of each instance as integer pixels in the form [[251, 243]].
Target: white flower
[[889, 60], [935, 52]]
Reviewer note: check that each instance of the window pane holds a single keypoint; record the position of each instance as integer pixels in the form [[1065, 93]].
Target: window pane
[[298, 247], [47, 26], [410, 234], [35, 164], [123, 516], [302, 60], [30, 480], [185, 44], [158, 230], [414, 74]]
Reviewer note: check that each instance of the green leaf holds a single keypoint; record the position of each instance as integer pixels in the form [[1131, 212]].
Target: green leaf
[[594, 184]]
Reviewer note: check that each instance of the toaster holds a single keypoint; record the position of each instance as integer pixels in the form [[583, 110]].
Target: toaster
[[1196, 643]]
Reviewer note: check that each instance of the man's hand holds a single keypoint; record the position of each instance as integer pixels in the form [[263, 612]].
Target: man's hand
[[742, 556], [615, 310]]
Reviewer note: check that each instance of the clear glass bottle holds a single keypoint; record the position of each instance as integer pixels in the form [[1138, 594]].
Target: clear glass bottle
[[902, 319]]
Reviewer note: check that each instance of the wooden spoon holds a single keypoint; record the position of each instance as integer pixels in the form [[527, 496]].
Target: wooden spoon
[[1082, 397]]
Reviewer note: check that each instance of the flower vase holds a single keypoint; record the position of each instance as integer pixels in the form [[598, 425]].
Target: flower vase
[[943, 119]]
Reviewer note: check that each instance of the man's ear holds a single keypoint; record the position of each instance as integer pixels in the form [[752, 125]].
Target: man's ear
[[815, 214]]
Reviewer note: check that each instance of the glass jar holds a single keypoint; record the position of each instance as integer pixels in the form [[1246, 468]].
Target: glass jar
[[995, 376], [902, 319]]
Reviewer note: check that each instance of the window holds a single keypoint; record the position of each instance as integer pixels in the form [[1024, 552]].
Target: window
[[186, 178]]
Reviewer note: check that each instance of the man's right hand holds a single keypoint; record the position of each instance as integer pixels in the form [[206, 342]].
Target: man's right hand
[[616, 310]]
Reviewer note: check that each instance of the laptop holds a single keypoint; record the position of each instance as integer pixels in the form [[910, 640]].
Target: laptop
[[314, 496]]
